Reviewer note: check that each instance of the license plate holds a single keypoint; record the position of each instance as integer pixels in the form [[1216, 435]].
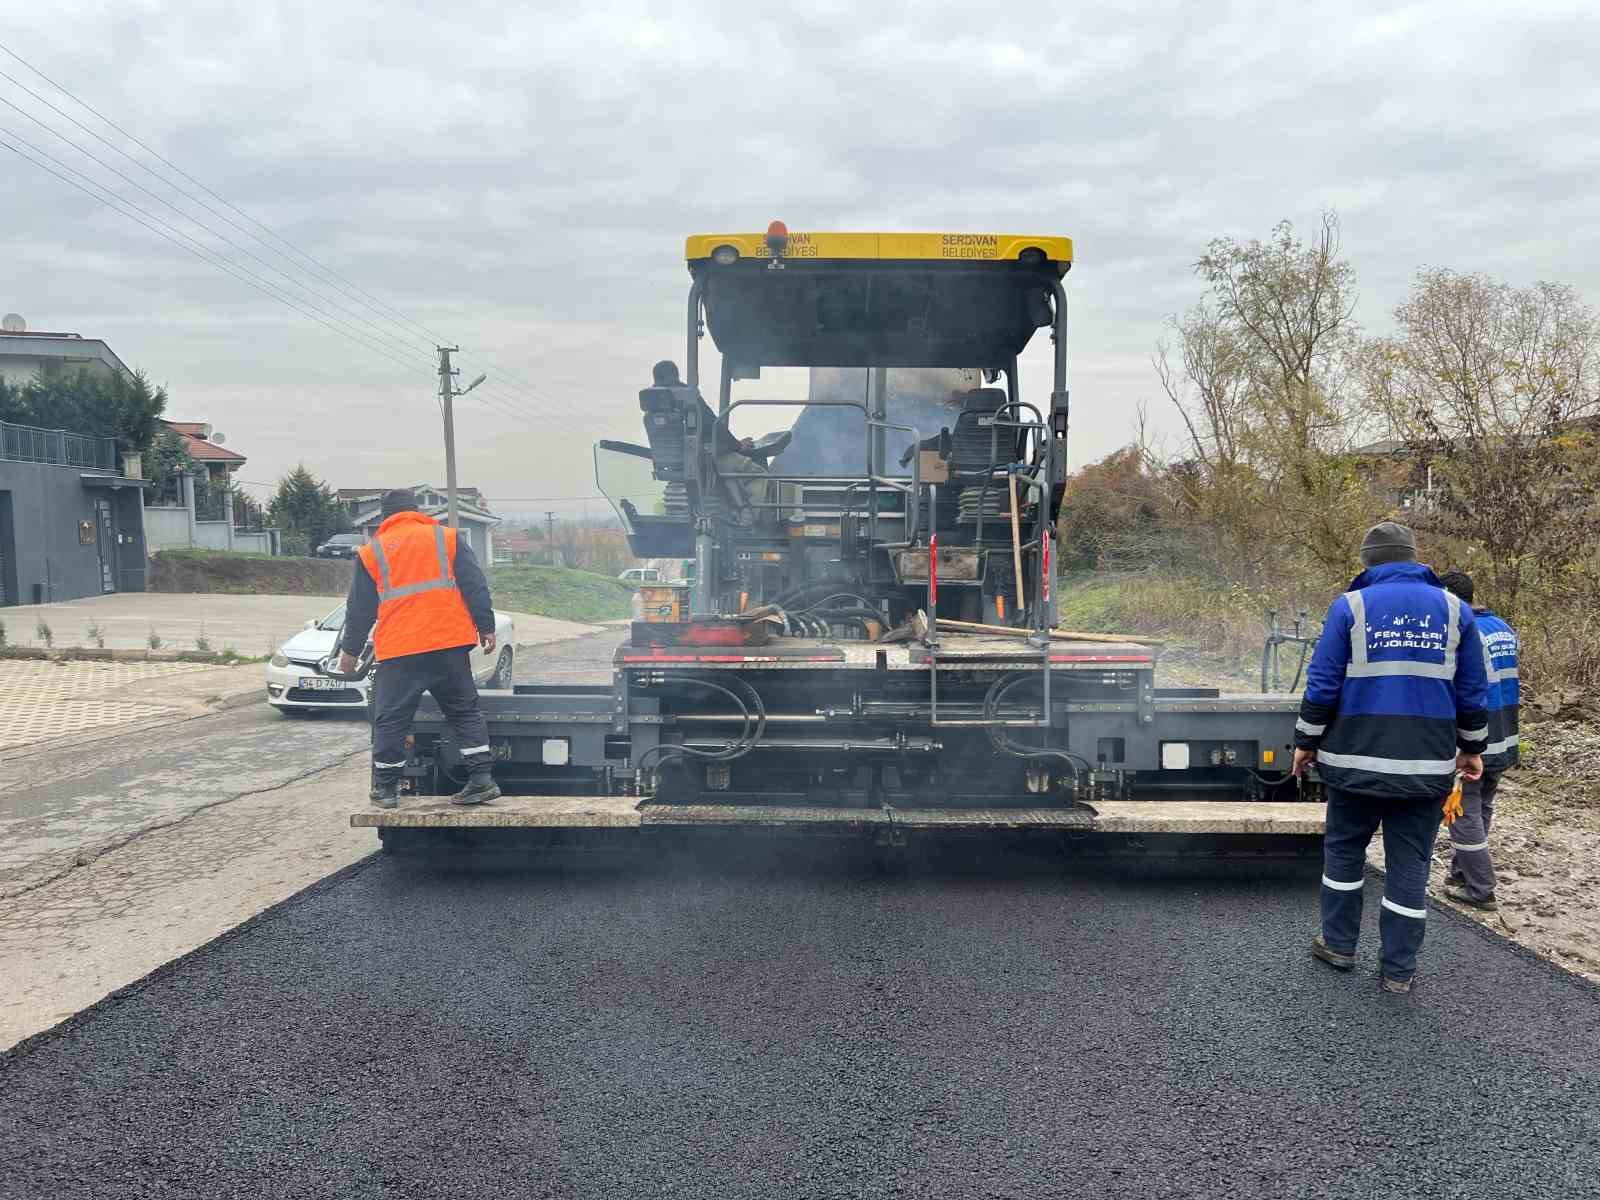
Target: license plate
[[316, 683]]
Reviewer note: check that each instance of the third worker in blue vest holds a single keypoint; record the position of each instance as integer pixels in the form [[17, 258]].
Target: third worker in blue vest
[[1396, 704], [1471, 870]]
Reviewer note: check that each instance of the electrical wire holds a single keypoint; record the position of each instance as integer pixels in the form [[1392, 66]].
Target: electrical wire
[[321, 275], [435, 338], [178, 238], [309, 296]]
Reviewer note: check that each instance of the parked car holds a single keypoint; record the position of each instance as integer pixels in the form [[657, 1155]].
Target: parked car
[[341, 545], [641, 575], [297, 684]]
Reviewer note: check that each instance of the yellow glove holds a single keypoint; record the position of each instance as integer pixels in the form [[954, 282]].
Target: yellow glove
[[1452, 803]]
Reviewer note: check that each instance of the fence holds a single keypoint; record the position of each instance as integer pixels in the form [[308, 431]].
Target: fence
[[56, 447], [166, 528]]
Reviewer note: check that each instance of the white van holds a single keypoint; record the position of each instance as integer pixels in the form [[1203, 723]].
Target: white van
[[641, 575]]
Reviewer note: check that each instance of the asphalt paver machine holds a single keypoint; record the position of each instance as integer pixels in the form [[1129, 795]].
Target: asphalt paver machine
[[869, 647]]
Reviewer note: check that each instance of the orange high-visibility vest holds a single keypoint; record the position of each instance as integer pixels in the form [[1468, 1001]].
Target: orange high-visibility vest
[[412, 560]]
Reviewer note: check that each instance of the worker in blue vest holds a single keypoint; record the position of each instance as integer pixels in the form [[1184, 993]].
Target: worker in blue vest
[[1471, 879], [1396, 704]]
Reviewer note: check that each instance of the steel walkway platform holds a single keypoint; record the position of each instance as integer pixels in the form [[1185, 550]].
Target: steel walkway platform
[[620, 812]]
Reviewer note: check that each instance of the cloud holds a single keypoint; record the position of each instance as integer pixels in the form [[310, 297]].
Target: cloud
[[521, 180]]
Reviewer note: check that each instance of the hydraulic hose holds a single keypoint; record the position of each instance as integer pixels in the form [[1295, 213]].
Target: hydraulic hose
[[747, 740], [1005, 745]]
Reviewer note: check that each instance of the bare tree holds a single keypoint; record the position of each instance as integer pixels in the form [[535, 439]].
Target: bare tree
[[1494, 393], [1262, 384]]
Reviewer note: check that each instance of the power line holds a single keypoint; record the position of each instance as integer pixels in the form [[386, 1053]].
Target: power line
[[310, 297], [322, 271], [182, 240], [329, 271]]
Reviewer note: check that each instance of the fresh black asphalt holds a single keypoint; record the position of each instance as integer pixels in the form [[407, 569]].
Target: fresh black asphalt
[[766, 1027]]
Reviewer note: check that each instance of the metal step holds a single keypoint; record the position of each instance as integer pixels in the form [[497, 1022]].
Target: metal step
[[511, 812]]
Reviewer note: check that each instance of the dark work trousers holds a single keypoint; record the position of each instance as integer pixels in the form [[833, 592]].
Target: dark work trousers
[[1409, 829], [397, 687], [1469, 836]]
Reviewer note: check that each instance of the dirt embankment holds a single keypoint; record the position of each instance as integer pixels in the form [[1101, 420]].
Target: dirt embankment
[[246, 574]]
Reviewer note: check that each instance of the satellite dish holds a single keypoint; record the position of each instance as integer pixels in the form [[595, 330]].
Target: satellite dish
[[13, 323], [218, 439]]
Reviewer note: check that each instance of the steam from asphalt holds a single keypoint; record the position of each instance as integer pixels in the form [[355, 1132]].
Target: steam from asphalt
[[832, 441]]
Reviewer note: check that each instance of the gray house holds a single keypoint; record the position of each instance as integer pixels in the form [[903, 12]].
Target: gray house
[[71, 521], [477, 523], [25, 354]]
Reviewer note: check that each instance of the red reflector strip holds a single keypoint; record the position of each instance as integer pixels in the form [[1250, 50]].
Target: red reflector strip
[[731, 658], [1139, 658]]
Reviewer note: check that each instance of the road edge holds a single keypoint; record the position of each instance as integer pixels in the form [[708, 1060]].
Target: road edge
[[34, 1041], [1526, 952]]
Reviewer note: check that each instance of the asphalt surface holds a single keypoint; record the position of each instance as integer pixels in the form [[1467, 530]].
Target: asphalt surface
[[574, 660], [752, 1025]]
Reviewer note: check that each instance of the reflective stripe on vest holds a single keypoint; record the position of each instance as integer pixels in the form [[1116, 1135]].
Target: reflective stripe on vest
[[1388, 766], [1360, 668], [385, 592]]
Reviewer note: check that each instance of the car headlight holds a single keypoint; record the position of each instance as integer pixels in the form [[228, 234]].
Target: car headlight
[[278, 660]]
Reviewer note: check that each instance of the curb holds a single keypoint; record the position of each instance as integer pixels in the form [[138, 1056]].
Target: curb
[[95, 654], [240, 699]]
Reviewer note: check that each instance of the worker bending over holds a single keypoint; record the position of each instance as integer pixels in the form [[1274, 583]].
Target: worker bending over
[[1395, 705], [1471, 879], [424, 589]]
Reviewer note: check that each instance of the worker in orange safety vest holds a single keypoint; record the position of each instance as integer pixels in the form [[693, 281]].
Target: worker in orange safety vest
[[420, 584]]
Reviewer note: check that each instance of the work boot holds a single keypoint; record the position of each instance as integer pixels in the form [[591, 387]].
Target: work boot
[[1339, 962], [1460, 895], [480, 788], [1398, 986], [385, 793]]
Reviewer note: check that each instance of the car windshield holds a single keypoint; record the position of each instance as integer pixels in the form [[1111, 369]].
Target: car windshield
[[334, 620]]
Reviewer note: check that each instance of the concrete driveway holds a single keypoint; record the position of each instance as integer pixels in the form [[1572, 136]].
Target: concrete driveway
[[250, 625]]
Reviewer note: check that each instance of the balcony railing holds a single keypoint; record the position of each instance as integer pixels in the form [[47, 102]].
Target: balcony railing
[[57, 447]]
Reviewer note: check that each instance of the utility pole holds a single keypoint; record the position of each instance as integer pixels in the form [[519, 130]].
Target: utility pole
[[550, 534], [447, 395]]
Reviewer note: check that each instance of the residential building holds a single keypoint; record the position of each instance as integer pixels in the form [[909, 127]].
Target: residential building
[[365, 506], [25, 354], [518, 546], [174, 522], [199, 439], [71, 522]]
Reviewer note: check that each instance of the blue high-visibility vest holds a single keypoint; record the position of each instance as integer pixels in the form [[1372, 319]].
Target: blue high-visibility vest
[[1397, 684], [1500, 648]]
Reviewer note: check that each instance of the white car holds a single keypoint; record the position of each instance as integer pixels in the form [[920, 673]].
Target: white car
[[297, 684]]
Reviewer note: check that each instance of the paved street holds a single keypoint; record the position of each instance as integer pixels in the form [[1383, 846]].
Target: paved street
[[125, 845], [70, 801], [43, 701], [810, 1027], [732, 1023], [61, 804]]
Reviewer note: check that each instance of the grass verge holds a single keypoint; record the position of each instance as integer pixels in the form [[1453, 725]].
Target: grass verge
[[240, 573], [560, 592], [1213, 631]]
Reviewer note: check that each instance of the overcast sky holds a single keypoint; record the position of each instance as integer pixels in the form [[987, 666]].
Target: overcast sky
[[519, 179]]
